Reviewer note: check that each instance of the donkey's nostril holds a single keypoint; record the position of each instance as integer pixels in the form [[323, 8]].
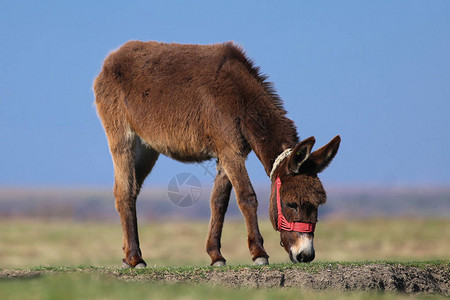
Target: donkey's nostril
[[306, 256]]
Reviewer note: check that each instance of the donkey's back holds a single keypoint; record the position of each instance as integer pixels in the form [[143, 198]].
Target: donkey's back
[[182, 100]]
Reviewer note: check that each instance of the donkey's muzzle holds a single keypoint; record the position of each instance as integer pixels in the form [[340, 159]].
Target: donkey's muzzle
[[304, 256]]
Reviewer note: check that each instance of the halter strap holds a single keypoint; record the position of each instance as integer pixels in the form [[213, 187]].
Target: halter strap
[[279, 159], [283, 224]]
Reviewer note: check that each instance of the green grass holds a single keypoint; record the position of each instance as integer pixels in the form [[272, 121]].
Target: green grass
[[98, 286], [69, 260], [313, 267], [186, 270]]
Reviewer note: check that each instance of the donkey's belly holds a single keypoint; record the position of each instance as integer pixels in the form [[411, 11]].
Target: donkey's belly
[[189, 157], [179, 147]]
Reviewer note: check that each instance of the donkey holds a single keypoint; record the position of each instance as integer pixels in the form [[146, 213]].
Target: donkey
[[199, 102]]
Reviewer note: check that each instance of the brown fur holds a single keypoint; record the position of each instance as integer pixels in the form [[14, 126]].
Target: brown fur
[[192, 103]]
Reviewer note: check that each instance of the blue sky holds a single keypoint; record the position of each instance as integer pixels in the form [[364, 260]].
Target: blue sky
[[375, 72]]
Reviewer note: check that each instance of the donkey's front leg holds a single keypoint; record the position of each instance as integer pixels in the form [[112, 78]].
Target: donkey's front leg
[[246, 198], [220, 197]]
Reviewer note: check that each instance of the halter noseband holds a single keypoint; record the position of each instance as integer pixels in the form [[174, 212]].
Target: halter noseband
[[283, 224]]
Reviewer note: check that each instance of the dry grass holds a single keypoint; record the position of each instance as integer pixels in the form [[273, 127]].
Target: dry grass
[[28, 243]]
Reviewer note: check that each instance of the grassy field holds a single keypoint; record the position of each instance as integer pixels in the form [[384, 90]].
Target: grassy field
[[28, 243]]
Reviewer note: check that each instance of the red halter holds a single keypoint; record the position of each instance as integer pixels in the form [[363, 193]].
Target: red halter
[[283, 224]]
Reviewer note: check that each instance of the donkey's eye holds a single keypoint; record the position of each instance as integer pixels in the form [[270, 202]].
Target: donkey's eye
[[292, 205]]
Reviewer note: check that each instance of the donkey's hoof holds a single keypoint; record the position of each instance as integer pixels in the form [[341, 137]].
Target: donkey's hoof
[[219, 263], [125, 265], [261, 261], [141, 265]]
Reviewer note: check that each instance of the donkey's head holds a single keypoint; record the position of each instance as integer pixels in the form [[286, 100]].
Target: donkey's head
[[296, 195]]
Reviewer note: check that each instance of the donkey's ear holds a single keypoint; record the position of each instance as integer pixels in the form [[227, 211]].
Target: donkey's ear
[[321, 158], [300, 154]]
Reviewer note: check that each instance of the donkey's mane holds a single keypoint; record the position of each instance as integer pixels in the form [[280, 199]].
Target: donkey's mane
[[235, 51], [286, 126]]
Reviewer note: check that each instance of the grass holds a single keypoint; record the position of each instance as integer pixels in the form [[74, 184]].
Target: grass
[[187, 270], [87, 282], [95, 286], [28, 243], [73, 260]]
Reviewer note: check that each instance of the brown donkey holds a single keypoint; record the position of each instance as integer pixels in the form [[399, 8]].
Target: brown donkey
[[195, 103]]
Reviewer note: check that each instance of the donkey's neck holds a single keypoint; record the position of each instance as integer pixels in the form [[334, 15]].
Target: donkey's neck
[[268, 152], [269, 134]]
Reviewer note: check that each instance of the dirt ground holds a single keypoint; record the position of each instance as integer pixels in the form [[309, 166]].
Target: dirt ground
[[370, 277]]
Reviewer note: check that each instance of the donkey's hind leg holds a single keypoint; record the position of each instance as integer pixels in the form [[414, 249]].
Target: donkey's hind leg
[[145, 159], [220, 197], [132, 162]]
